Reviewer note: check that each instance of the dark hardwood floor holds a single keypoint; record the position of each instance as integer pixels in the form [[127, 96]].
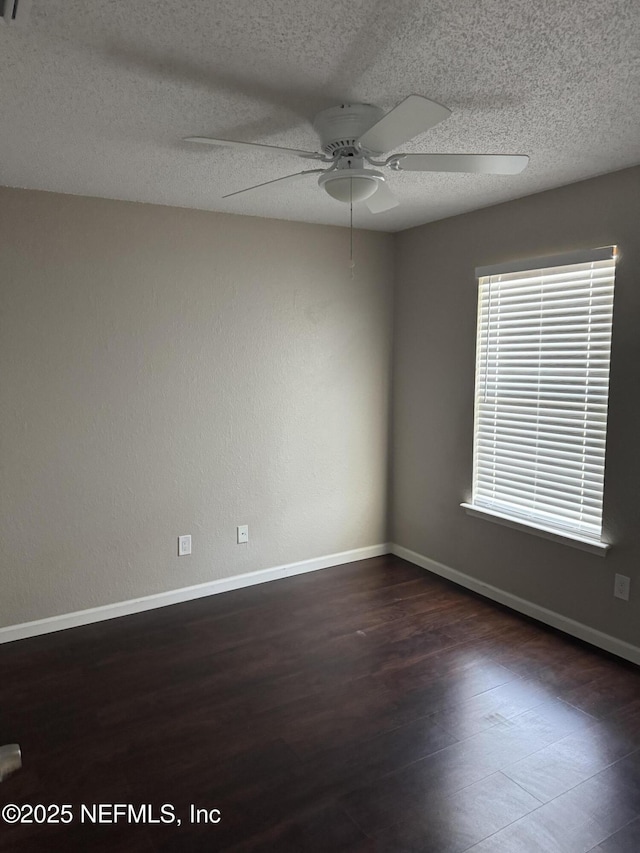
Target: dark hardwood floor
[[369, 707]]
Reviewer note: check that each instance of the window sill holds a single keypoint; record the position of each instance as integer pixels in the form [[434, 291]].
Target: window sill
[[572, 539]]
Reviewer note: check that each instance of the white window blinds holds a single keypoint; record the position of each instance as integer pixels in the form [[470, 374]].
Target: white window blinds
[[542, 381]]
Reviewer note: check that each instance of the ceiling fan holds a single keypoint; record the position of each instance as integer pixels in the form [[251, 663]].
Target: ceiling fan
[[354, 136]]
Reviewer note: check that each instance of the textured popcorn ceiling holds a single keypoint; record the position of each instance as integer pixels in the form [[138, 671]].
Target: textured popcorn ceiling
[[95, 96]]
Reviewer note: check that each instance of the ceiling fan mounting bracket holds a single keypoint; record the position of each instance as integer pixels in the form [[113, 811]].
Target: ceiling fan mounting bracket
[[394, 162]]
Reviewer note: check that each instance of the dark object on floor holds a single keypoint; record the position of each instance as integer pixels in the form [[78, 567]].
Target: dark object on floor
[[10, 760]]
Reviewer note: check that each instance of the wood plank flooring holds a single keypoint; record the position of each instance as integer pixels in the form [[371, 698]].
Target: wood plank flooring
[[368, 707]]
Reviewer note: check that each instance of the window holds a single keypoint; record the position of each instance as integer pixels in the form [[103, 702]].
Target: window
[[542, 383]]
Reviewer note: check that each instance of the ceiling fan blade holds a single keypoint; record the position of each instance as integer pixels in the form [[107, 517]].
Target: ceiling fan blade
[[234, 143], [479, 164], [382, 199], [410, 117], [275, 181]]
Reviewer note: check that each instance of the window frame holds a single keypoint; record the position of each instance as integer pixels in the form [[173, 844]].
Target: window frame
[[566, 535]]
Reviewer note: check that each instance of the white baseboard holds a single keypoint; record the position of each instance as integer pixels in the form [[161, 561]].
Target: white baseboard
[[175, 596], [162, 599], [549, 617]]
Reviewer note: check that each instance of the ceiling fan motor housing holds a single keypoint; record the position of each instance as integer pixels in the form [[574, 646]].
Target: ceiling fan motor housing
[[340, 127]]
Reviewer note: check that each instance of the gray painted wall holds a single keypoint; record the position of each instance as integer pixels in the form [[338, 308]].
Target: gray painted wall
[[435, 327], [167, 371]]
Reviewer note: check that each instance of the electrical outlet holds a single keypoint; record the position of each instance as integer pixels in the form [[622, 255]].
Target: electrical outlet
[[184, 546], [243, 533], [621, 587]]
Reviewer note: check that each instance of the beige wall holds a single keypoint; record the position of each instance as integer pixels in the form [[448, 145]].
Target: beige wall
[[435, 327], [166, 371]]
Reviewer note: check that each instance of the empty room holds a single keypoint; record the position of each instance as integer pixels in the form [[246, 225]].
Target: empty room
[[319, 417]]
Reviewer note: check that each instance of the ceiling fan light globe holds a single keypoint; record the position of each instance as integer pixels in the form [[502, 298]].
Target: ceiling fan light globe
[[351, 186], [351, 189]]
